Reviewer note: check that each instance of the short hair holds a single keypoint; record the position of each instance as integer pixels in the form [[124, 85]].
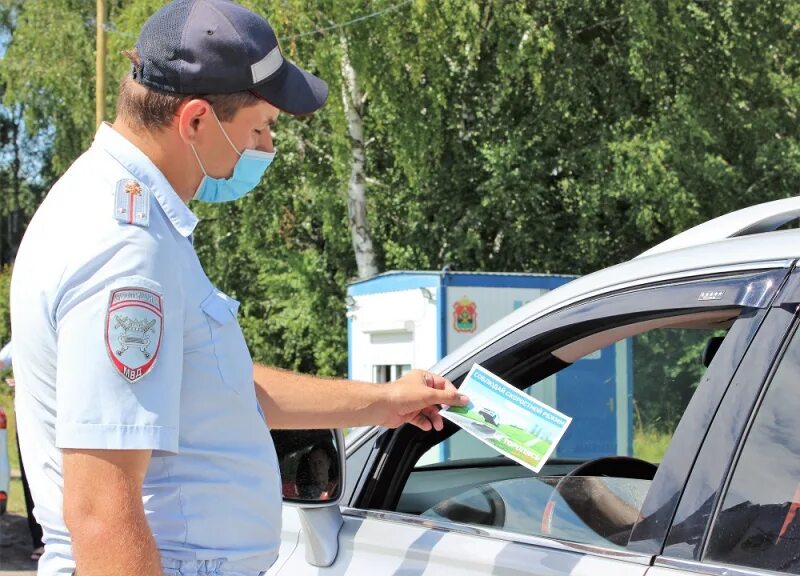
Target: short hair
[[149, 108]]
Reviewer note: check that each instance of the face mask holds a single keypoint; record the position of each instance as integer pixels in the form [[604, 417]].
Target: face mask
[[247, 173]]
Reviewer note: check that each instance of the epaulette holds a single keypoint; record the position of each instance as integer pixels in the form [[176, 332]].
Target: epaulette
[[132, 203]]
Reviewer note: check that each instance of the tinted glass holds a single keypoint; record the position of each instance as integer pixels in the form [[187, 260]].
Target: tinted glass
[[759, 523], [591, 510]]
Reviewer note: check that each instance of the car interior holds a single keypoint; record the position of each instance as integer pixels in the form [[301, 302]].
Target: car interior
[[591, 500]]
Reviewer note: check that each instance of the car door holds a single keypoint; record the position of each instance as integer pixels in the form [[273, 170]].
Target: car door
[[386, 529], [738, 514], [376, 543]]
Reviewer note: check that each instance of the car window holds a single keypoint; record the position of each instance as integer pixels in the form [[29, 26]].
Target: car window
[[590, 510], [625, 397], [759, 521]]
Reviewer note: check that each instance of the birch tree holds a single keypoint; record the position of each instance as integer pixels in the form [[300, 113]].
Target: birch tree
[[353, 101]]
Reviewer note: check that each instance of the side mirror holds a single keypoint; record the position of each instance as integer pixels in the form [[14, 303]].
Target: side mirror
[[312, 465]]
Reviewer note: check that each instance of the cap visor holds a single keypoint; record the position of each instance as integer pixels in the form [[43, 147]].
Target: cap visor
[[294, 91]]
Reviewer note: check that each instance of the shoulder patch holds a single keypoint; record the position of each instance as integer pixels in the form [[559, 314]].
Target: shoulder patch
[[132, 202], [134, 324]]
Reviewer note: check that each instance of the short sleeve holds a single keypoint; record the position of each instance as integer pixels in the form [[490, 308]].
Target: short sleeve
[[120, 357]]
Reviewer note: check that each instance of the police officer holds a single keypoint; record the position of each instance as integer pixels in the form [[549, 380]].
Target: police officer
[[141, 415]]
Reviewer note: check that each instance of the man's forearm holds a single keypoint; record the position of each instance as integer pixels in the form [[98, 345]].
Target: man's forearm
[[291, 400], [123, 546], [104, 514]]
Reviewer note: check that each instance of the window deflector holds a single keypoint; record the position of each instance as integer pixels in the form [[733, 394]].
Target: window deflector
[[511, 356], [574, 351]]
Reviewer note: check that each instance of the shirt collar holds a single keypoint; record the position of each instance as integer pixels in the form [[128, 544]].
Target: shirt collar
[[142, 168]]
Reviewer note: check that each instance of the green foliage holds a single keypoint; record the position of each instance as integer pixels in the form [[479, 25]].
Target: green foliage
[[503, 135], [5, 312], [668, 368], [650, 445], [49, 67]]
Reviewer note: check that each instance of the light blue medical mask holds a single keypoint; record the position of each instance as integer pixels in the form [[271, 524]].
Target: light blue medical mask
[[247, 173]]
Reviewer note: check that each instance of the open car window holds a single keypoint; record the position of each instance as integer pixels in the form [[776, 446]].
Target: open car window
[[626, 388]]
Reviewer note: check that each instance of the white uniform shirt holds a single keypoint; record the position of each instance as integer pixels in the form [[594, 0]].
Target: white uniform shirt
[[122, 342]]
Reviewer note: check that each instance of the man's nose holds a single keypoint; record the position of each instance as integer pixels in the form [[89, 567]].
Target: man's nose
[[265, 141]]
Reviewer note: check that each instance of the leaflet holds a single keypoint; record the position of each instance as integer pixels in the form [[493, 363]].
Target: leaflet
[[512, 422]]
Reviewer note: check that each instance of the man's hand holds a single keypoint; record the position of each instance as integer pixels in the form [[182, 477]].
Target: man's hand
[[416, 399]]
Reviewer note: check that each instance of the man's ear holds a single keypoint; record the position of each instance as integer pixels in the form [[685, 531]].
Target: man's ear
[[192, 118]]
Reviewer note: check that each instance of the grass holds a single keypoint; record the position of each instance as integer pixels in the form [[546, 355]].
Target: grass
[[649, 444], [16, 499]]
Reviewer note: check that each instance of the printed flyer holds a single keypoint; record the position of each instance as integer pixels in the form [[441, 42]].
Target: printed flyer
[[513, 423]]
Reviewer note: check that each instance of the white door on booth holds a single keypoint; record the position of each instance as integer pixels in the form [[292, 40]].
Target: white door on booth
[[391, 355]]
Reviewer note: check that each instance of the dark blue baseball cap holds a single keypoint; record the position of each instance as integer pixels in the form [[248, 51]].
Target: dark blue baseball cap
[[198, 47]]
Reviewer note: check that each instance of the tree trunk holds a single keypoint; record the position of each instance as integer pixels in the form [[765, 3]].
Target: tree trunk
[[356, 188]]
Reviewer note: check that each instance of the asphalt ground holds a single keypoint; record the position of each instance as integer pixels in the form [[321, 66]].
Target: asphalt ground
[[15, 547]]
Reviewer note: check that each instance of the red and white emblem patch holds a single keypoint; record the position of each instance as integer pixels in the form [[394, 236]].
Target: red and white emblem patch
[[133, 331]]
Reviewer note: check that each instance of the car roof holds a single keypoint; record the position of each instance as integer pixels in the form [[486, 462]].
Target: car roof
[[703, 250], [764, 217]]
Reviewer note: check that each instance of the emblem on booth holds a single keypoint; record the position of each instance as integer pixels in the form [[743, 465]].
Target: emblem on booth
[[465, 315], [133, 331]]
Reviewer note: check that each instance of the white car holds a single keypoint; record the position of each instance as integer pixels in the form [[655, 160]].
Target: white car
[[717, 305]]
